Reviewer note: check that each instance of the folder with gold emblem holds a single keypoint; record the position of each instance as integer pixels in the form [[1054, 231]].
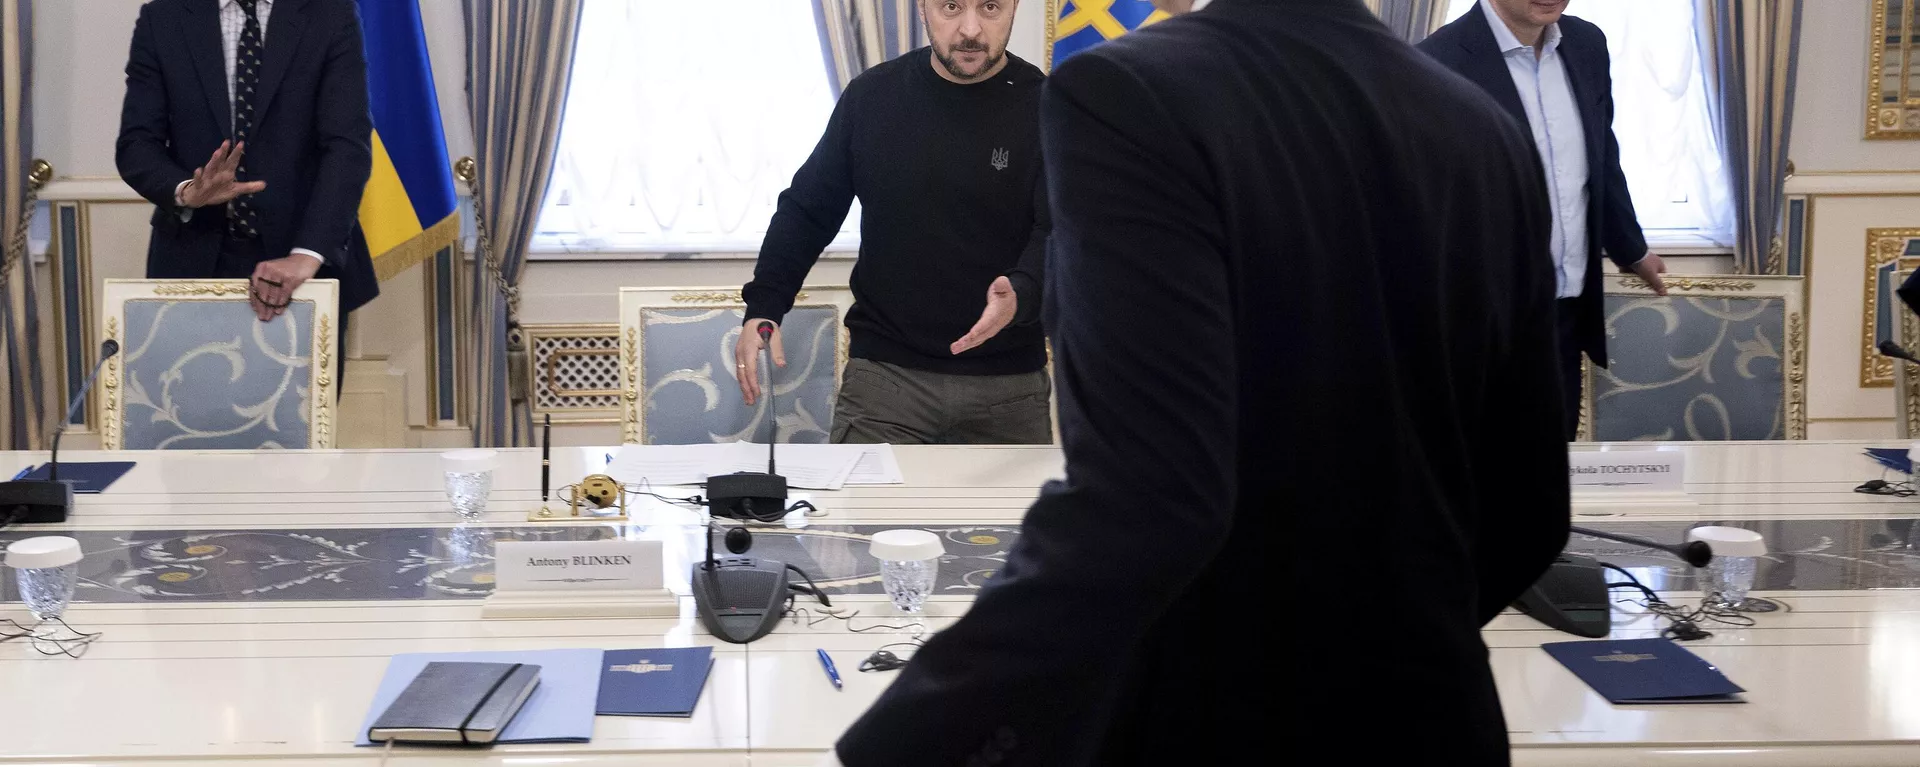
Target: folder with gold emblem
[[1645, 671], [664, 682]]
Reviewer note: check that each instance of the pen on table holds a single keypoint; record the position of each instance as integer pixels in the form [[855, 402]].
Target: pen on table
[[833, 674], [546, 456]]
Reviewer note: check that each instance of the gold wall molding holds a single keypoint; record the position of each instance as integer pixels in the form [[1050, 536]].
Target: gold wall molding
[[1907, 333], [1884, 246], [1893, 101]]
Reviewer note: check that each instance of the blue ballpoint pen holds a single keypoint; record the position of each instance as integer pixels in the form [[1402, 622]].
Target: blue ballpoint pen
[[833, 674]]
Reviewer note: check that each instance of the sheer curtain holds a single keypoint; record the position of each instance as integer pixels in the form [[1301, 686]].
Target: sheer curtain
[[1669, 148], [684, 122]]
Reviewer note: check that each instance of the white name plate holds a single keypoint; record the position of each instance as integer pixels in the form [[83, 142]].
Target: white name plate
[[577, 565], [1632, 471], [579, 579]]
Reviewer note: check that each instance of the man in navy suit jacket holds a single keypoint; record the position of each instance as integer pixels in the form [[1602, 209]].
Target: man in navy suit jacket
[[1551, 72], [1310, 449], [246, 122]]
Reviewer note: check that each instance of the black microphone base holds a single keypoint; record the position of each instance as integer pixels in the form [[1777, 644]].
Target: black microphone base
[[747, 495], [36, 501], [740, 599], [1572, 597]]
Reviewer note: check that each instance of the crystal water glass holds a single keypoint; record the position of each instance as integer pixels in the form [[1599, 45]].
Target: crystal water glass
[[908, 582], [47, 590], [909, 564], [48, 570], [469, 477]]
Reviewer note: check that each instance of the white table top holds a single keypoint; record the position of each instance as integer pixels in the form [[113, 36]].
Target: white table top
[[1834, 682]]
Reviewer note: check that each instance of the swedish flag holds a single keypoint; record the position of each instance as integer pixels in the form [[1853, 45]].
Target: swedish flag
[[1075, 25], [409, 211]]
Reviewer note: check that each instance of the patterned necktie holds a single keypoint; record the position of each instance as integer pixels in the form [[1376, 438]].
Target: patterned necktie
[[243, 220]]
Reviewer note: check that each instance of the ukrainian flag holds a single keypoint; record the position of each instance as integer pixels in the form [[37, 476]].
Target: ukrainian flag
[[409, 211], [1075, 25]]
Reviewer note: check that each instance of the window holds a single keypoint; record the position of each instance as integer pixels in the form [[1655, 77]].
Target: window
[[684, 122], [1669, 147]]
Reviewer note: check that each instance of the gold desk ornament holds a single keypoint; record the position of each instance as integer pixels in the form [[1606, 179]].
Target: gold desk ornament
[[588, 499]]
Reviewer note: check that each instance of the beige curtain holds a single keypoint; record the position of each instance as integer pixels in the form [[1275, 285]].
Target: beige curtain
[[25, 410], [1412, 20], [1753, 51], [519, 61]]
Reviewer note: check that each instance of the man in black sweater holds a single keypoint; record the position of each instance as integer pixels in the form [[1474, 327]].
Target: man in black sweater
[[1305, 345], [942, 147]]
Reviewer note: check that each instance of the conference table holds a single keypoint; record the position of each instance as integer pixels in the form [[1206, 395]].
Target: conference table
[[250, 601]]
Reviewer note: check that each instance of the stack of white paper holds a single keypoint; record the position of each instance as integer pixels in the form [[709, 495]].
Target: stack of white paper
[[814, 467]]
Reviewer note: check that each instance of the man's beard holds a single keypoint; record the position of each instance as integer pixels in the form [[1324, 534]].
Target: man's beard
[[952, 65]]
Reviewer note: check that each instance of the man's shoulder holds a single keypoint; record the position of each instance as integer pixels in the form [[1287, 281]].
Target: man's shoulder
[[1447, 42], [1585, 36]]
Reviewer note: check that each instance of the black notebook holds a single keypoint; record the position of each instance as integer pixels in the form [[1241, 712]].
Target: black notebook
[[457, 703]]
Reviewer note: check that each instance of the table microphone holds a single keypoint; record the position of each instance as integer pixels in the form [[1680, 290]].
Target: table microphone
[[1896, 351], [1572, 594], [741, 598], [43, 501]]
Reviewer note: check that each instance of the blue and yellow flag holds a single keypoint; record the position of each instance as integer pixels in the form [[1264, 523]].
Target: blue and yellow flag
[[1075, 25], [409, 211]]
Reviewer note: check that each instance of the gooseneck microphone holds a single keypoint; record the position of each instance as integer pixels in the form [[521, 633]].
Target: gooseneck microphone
[[1896, 351], [1696, 553], [741, 598], [773, 422], [108, 348], [1572, 594], [49, 501]]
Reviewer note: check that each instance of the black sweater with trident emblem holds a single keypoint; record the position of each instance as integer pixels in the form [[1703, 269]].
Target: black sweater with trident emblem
[[952, 196]]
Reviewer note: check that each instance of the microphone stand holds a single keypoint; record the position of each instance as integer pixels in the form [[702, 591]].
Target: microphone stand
[[46, 501]]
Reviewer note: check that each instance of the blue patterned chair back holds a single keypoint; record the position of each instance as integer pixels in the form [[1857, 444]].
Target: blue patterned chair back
[[1721, 358], [678, 373], [198, 371]]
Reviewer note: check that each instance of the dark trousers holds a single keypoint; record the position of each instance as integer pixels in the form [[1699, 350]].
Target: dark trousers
[[237, 260], [1571, 381], [881, 402]]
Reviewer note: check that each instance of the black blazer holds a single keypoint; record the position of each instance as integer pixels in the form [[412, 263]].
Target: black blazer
[[1304, 341], [312, 141], [1467, 46]]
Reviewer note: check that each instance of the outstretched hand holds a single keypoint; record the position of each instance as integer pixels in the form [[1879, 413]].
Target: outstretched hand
[[215, 183], [1002, 304]]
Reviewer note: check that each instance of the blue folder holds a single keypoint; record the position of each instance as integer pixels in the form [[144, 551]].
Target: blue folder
[[1894, 458], [663, 682], [1641, 671], [559, 711], [87, 477]]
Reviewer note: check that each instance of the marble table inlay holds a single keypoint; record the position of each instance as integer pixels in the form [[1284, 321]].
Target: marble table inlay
[[457, 562]]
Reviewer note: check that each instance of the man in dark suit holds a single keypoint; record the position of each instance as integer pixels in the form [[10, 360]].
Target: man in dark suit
[[246, 122], [1551, 72], [1304, 341]]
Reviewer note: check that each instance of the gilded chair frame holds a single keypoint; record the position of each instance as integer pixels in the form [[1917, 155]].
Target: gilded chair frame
[[323, 371], [634, 301], [1906, 382], [1793, 357]]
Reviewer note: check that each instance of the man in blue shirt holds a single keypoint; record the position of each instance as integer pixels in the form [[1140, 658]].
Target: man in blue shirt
[[1550, 71]]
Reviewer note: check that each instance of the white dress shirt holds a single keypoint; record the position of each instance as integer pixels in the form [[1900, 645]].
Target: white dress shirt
[[1554, 117], [233, 21]]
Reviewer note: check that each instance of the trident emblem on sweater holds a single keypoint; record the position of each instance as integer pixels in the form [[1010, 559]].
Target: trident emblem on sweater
[[999, 160]]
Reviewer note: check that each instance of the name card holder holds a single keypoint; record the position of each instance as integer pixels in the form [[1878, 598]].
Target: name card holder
[[579, 579], [1620, 481]]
